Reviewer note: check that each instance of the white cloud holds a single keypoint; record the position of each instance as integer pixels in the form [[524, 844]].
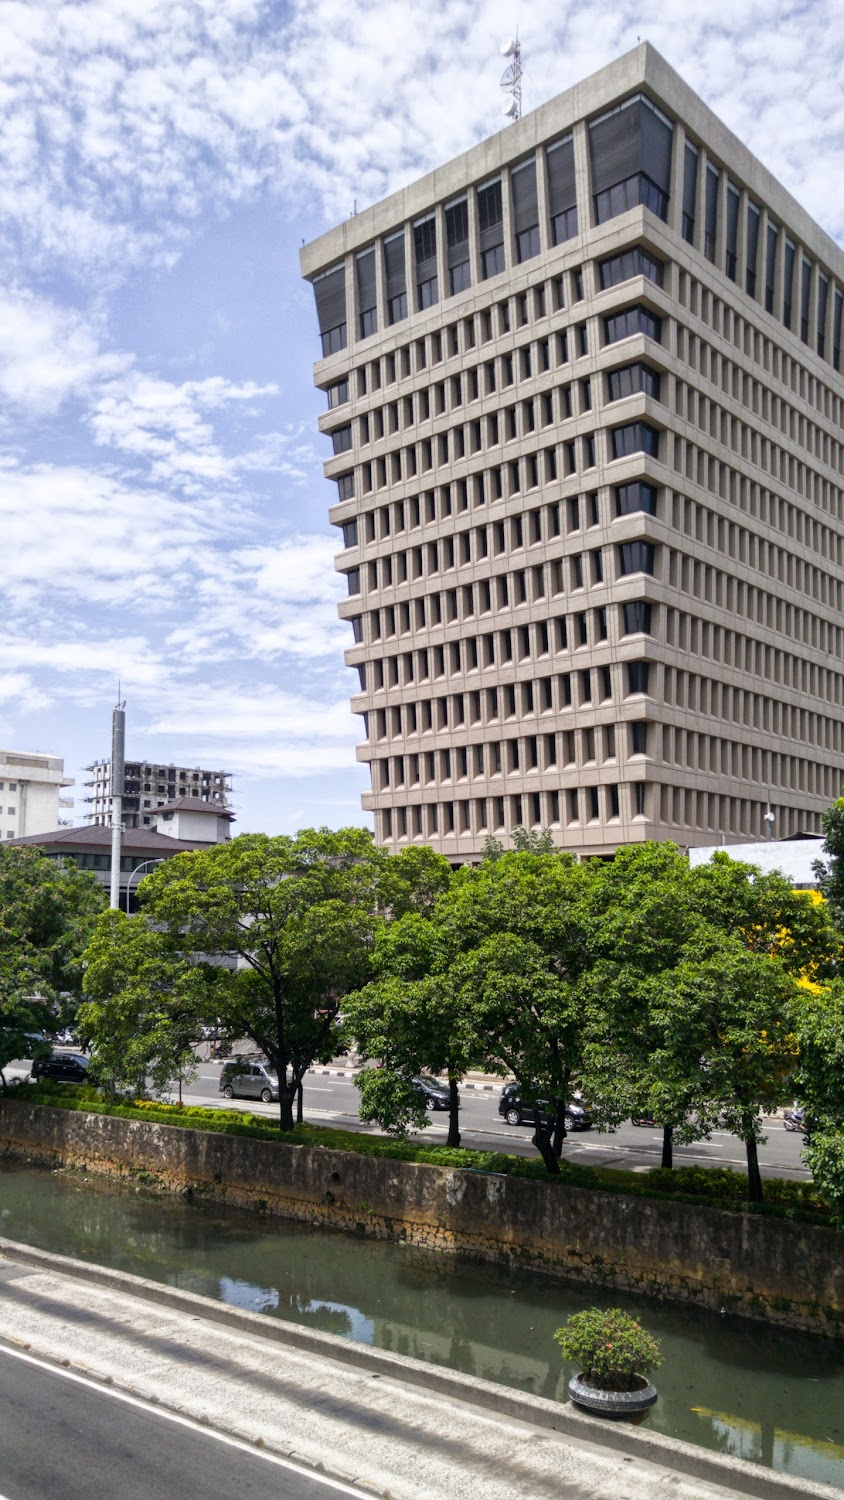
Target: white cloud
[[167, 424], [49, 353]]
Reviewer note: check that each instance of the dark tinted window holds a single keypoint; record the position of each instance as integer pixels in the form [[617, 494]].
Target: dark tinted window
[[338, 394], [639, 737], [330, 295], [345, 486], [394, 273], [367, 298], [525, 210], [630, 151], [732, 231], [689, 192], [635, 497], [341, 439], [823, 302], [710, 217], [622, 325], [491, 229], [770, 266], [752, 247], [635, 437], [636, 557], [788, 284], [457, 245], [425, 257], [353, 581], [562, 197], [637, 615], [633, 262], [631, 380], [806, 270], [836, 330], [350, 533], [637, 676]]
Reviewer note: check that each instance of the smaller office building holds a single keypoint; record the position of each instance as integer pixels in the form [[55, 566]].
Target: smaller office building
[[30, 792]]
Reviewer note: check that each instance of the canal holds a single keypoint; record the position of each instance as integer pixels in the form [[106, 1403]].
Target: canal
[[759, 1393]]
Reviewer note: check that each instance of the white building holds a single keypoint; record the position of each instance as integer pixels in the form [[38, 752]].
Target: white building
[[30, 786], [794, 858], [193, 820]]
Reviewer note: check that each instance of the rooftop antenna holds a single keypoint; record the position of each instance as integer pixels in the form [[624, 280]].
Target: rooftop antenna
[[118, 761], [511, 78]]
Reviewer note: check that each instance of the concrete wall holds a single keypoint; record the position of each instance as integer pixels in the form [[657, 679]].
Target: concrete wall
[[759, 1267]]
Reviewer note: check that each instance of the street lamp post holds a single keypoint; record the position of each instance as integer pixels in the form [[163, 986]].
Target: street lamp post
[[132, 873]]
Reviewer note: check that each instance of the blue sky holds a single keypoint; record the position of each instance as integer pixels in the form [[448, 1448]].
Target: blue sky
[[162, 505]]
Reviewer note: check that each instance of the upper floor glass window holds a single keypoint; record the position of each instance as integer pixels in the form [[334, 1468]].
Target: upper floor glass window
[[330, 295], [395, 276], [491, 228], [366, 293], [425, 257], [639, 319], [632, 380], [337, 394], [525, 210], [637, 496], [562, 195], [630, 150], [635, 437], [710, 214], [630, 263], [457, 245], [690, 161]]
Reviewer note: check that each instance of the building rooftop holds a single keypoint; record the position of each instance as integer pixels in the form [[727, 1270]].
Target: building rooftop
[[95, 837], [193, 805]]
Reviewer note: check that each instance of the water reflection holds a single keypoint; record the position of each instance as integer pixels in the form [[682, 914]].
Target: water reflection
[[731, 1385]]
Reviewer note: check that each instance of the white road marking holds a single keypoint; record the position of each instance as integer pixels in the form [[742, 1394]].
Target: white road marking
[[198, 1427]]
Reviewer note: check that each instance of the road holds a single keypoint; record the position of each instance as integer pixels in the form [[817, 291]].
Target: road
[[62, 1435], [330, 1100]]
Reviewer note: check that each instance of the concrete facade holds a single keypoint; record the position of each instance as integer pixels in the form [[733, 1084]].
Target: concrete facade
[[490, 445], [30, 792]]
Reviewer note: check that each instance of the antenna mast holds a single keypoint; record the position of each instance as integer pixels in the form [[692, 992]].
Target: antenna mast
[[511, 78], [118, 763]]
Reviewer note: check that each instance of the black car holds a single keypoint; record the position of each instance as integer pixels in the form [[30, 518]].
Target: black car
[[434, 1093], [62, 1067], [519, 1111]]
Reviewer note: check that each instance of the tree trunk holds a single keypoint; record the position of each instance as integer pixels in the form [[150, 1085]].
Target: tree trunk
[[754, 1176], [559, 1128], [667, 1146], [453, 1112], [542, 1141], [300, 1103]]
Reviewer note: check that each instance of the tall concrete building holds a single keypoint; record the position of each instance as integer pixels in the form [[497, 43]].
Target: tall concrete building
[[30, 792], [584, 400], [149, 786]]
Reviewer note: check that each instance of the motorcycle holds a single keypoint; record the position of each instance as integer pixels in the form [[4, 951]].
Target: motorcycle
[[794, 1120], [644, 1120]]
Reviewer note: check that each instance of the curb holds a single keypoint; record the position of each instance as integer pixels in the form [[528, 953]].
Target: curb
[[736, 1476], [486, 1088]]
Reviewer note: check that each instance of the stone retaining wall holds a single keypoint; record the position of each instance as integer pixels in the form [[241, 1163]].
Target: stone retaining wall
[[757, 1266]]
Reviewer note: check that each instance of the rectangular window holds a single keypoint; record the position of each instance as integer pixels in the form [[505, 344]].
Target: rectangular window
[[771, 266], [395, 276], [631, 320], [823, 303], [631, 380], [330, 295], [690, 159], [491, 229], [337, 394], [345, 486], [635, 437], [425, 260], [732, 231], [836, 330], [457, 245], [637, 676], [710, 217], [562, 197], [353, 581], [367, 297], [636, 557], [639, 737], [525, 210], [788, 284], [350, 533], [341, 439], [806, 270], [630, 263], [752, 248], [637, 615], [630, 498], [630, 152]]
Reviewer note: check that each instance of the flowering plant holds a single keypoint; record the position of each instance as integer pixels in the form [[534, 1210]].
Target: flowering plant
[[610, 1346]]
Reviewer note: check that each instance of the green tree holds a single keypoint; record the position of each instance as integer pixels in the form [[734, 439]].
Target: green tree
[[516, 929], [728, 1048], [819, 1087], [47, 913], [140, 1012], [411, 1018], [830, 872], [276, 931]]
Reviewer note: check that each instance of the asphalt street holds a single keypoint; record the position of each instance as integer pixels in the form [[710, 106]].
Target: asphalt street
[[330, 1100], [62, 1438]]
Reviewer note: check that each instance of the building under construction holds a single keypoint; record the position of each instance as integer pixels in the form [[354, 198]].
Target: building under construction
[[148, 786]]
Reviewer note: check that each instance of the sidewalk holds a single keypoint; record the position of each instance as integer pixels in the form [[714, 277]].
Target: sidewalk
[[399, 1428]]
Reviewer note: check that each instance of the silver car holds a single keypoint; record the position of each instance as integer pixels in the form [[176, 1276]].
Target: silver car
[[248, 1080]]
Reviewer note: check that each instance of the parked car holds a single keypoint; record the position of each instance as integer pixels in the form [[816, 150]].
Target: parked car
[[519, 1111], [62, 1067], [435, 1093], [248, 1080]]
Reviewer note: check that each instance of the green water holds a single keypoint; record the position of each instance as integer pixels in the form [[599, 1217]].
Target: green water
[[726, 1383]]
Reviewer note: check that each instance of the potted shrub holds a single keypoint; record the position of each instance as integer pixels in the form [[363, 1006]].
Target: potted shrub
[[616, 1355]]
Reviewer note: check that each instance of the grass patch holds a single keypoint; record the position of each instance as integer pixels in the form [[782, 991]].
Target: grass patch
[[713, 1186]]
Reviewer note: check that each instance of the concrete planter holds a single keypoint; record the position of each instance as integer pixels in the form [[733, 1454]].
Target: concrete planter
[[612, 1403]]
